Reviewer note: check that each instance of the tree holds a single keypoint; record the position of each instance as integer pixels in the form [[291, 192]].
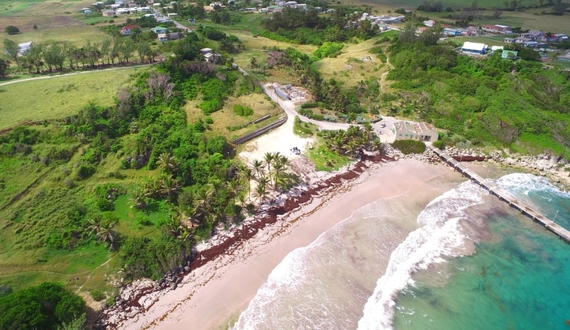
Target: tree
[[4, 64], [258, 168], [11, 29], [167, 162], [12, 50]]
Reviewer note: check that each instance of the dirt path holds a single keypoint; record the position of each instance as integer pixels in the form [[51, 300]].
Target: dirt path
[[75, 73]]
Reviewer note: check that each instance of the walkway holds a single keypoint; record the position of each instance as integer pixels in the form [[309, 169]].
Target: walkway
[[513, 202]]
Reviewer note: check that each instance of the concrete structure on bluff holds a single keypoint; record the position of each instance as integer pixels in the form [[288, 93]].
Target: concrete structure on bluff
[[405, 130]]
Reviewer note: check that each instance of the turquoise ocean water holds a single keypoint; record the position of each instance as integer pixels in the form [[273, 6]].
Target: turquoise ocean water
[[519, 277], [473, 263]]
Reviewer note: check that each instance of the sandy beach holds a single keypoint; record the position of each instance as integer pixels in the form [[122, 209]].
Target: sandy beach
[[216, 293]]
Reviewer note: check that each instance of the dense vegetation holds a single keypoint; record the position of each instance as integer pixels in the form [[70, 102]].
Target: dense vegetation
[[46, 306], [137, 177], [308, 27], [490, 101]]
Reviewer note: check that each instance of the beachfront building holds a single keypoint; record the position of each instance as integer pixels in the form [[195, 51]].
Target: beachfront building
[[407, 130]]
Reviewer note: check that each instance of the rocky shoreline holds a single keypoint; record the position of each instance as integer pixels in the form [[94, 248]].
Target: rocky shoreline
[[554, 168], [140, 295]]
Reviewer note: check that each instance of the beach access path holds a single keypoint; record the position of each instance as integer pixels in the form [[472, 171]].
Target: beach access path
[[383, 128]]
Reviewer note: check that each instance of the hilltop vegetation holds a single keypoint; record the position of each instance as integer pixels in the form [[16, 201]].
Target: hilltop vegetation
[[482, 101]]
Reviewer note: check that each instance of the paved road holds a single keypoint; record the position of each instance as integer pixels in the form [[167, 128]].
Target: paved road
[[383, 128], [178, 25], [74, 73]]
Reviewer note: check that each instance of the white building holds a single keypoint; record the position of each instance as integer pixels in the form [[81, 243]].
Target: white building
[[24, 47], [474, 48]]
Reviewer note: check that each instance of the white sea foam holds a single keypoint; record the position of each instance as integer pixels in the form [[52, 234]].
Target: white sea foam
[[519, 184], [309, 287], [441, 235]]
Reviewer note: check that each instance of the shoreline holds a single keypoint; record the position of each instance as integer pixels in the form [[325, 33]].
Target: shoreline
[[140, 295], [147, 304], [208, 296]]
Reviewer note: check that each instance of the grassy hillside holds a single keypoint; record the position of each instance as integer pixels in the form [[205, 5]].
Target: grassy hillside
[[60, 96]]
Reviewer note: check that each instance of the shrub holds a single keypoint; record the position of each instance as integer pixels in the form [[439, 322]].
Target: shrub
[[85, 171], [11, 29], [240, 110], [69, 183], [328, 49], [105, 205], [97, 295]]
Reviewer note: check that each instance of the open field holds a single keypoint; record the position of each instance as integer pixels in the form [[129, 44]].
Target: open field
[[355, 63], [61, 96], [226, 117], [56, 20]]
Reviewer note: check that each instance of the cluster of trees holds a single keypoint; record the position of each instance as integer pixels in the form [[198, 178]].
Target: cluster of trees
[[353, 141], [55, 55], [484, 100], [227, 43], [307, 27], [46, 306], [329, 93]]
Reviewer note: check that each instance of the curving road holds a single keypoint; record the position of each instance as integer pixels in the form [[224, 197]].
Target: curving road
[[383, 128]]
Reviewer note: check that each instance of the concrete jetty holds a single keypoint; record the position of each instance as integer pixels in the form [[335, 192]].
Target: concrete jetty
[[505, 197]]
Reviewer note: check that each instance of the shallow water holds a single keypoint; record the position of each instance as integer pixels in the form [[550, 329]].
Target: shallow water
[[472, 263]]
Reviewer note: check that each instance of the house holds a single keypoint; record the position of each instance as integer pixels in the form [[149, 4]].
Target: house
[[172, 14], [509, 40], [452, 32], [510, 54], [474, 48], [108, 13], [24, 47], [558, 37], [128, 29], [505, 29], [163, 37], [429, 23], [115, 6], [531, 44], [122, 11], [159, 30], [495, 48], [405, 130], [88, 12]]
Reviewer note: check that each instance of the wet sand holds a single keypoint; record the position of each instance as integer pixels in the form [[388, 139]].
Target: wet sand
[[219, 288]]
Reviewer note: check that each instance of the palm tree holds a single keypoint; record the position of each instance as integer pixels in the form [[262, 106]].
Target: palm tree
[[139, 198], [104, 229], [169, 187], [261, 189], [94, 225], [167, 162], [247, 175], [268, 158], [258, 168]]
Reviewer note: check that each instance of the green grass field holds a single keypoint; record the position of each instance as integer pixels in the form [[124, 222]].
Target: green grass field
[[59, 97]]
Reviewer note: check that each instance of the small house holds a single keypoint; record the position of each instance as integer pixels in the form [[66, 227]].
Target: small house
[[405, 130], [159, 30], [510, 54], [128, 29], [108, 13], [163, 37], [24, 47]]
